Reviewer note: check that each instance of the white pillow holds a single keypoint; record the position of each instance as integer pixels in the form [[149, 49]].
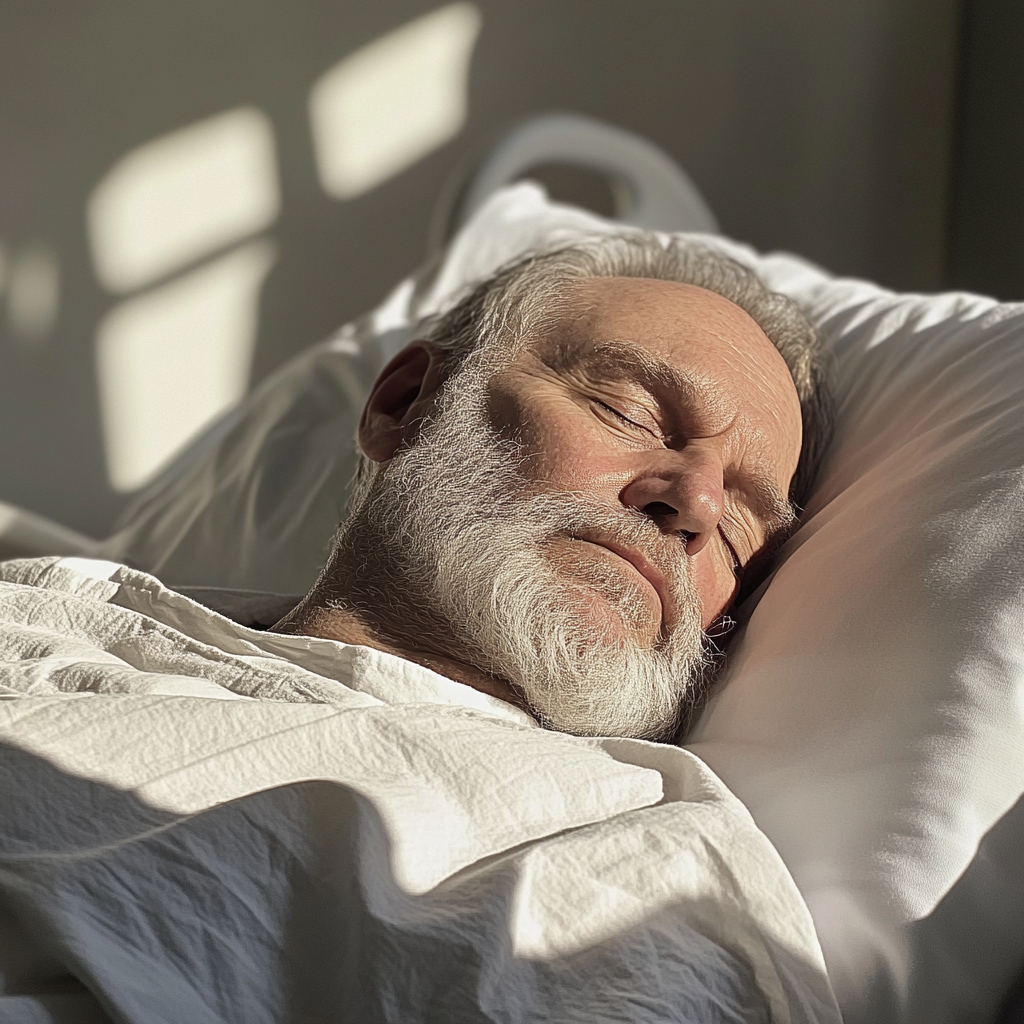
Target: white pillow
[[871, 713]]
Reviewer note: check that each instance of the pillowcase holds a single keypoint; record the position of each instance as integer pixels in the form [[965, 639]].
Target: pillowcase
[[870, 714]]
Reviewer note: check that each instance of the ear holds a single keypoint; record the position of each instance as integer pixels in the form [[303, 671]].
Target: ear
[[400, 398]]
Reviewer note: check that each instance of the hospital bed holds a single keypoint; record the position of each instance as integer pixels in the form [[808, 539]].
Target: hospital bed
[[871, 714]]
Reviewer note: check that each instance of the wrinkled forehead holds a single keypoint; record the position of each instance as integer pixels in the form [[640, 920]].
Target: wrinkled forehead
[[697, 331], [665, 316]]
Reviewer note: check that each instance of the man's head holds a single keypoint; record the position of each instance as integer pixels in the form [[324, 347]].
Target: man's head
[[568, 476]]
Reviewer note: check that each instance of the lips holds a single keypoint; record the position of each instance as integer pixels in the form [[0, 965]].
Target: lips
[[645, 567]]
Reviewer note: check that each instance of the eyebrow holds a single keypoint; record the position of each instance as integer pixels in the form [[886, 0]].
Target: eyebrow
[[625, 360]]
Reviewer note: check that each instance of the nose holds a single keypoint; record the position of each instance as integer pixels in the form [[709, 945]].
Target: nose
[[683, 492]]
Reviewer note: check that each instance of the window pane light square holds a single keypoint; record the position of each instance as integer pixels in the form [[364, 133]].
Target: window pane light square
[[394, 100], [169, 361], [33, 297], [181, 197]]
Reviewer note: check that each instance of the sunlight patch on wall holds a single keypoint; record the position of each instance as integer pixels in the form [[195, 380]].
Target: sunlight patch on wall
[[171, 201], [394, 100], [33, 293], [173, 359]]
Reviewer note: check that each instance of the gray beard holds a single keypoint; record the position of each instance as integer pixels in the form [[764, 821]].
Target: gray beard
[[451, 551]]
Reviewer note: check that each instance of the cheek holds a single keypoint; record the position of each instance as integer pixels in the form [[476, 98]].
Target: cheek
[[569, 453]]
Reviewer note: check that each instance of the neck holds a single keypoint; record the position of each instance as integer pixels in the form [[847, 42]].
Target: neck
[[314, 616]]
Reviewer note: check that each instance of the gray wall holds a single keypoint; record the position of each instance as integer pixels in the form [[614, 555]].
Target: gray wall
[[987, 244], [821, 128]]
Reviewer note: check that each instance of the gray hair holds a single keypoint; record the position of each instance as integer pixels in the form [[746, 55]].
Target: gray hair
[[526, 299]]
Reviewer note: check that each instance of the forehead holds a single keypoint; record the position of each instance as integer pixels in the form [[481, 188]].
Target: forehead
[[686, 326]]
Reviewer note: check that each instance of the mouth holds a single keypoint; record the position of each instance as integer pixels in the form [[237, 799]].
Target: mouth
[[645, 569]]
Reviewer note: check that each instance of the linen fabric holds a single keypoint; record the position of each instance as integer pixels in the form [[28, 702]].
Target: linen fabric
[[203, 822]]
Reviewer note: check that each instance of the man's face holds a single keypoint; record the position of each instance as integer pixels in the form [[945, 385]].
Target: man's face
[[667, 400], [568, 523]]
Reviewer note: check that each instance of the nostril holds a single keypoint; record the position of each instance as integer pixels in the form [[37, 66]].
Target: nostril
[[658, 510]]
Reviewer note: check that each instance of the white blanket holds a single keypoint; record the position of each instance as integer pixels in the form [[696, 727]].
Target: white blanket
[[201, 822]]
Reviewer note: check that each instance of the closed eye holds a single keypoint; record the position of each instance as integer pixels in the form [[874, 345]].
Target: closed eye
[[737, 565], [622, 418]]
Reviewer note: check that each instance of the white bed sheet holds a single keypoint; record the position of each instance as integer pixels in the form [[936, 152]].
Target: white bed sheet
[[205, 823]]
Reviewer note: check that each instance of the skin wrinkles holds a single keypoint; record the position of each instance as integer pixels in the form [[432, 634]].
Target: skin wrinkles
[[666, 399]]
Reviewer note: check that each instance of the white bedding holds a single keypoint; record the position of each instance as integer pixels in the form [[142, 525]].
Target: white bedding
[[871, 715], [203, 823]]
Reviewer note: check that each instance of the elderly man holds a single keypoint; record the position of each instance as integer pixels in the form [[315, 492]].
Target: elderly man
[[572, 476], [355, 816]]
